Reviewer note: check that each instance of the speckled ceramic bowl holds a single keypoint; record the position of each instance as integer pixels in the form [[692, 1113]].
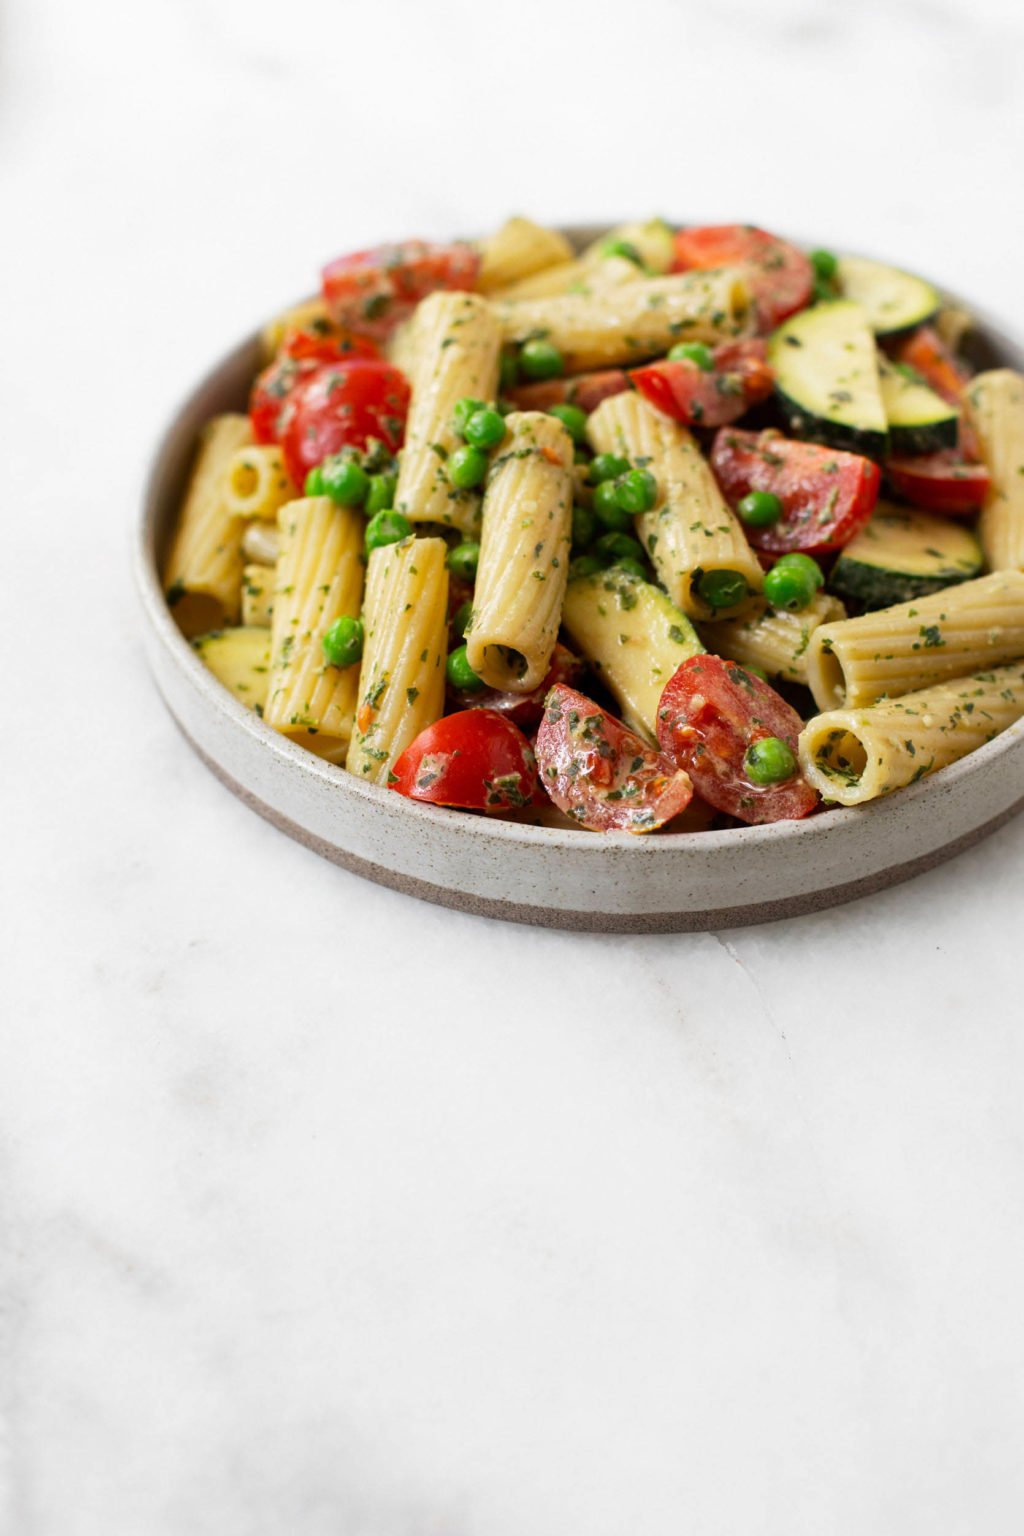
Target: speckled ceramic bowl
[[567, 879]]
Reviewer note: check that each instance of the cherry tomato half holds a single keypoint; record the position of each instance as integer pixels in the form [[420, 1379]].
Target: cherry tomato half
[[343, 405], [738, 378], [301, 356], [711, 711], [373, 291], [826, 496], [781, 277], [586, 390], [476, 760], [526, 709], [601, 774], [941, 482]]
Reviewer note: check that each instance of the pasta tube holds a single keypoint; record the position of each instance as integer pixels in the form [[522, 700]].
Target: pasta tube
[[240, 659], [634, 638], [258, 483], [892, 651], [518, 250], [595, 270], [691, 529], [261, 543], [401, 681], [852, 755], [996, 406], [257, 596], [319, 578], [458, 340], [203, 577], [775, 641], [524, 554], [634, 321], [651, 239]]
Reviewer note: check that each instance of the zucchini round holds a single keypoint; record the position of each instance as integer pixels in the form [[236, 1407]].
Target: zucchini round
[[826, 378], [894, 301], [901, 554]]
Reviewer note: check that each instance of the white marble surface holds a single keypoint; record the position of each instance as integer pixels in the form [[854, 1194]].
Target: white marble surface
[[328, 1212]]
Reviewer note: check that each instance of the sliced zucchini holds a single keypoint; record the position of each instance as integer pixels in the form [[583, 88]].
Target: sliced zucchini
[[634, 638], [920, 421], [893, 301], [240, 659], [902, 554], [826, 378]]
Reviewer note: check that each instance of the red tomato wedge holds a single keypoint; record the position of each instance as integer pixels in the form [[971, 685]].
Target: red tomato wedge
[[373, 291], [600, 774], [710, 712], [476, 760], [781, 277], [343, 405], [525, 709], [826, 496], [941, 482], [927, 353], [586, 390], [301, 355], [700, 397]]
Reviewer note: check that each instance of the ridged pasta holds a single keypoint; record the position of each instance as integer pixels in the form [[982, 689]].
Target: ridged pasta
[[852, 755], [996, 406], [516, 251], [319, 579], [892, 651], [691, 529], [524, 554], [458, 341], [584, 275], [632, 636], [258, 482], [651, 239], [774, 640], [402, 677], [258, 596], [635, 321], [261, 543], [203, 577]]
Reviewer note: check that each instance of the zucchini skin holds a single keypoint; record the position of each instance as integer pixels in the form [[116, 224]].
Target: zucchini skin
[[833, 434], [911, 442], [871, 587]]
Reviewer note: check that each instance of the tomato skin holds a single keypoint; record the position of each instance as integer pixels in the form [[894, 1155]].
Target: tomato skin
[[373, 291], [342, 405], [781, 277], [941, 482], [711, 711], [826, 496], [301, 355], [476, 760], [697, 397], [601, 774], [586, 390], [525, 709]]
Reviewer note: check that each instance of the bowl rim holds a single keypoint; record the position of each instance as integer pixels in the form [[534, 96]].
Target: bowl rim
[[233, 711]]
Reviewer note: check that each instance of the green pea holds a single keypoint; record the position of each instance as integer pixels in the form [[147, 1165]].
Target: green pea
[[463, 410], [343, 642], [381, 494], [825, 265], [722, 589], [792, 582], [607, 466], [585, 565], [463, 559], [619, 546], [461, 618], [634, 567], [508, 376], [388, 527], [769, 761], [692, 352], [636, 491], [622, 248], [573, 420], [314, 483], [760, 509], [345, 481], [467, 468], [607, 509], [485, 429], [541, 359], [461, 674], [584, 526]]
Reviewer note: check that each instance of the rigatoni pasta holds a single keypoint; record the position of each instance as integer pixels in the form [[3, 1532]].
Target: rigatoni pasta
[[518, 250], [258, 482], [773, 639], [203, 574], [996, 401]]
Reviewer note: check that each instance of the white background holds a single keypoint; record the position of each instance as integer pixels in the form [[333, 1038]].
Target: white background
[[330, 1213]]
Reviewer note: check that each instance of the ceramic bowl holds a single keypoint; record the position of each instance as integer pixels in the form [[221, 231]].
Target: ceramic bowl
[[667, 882]]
